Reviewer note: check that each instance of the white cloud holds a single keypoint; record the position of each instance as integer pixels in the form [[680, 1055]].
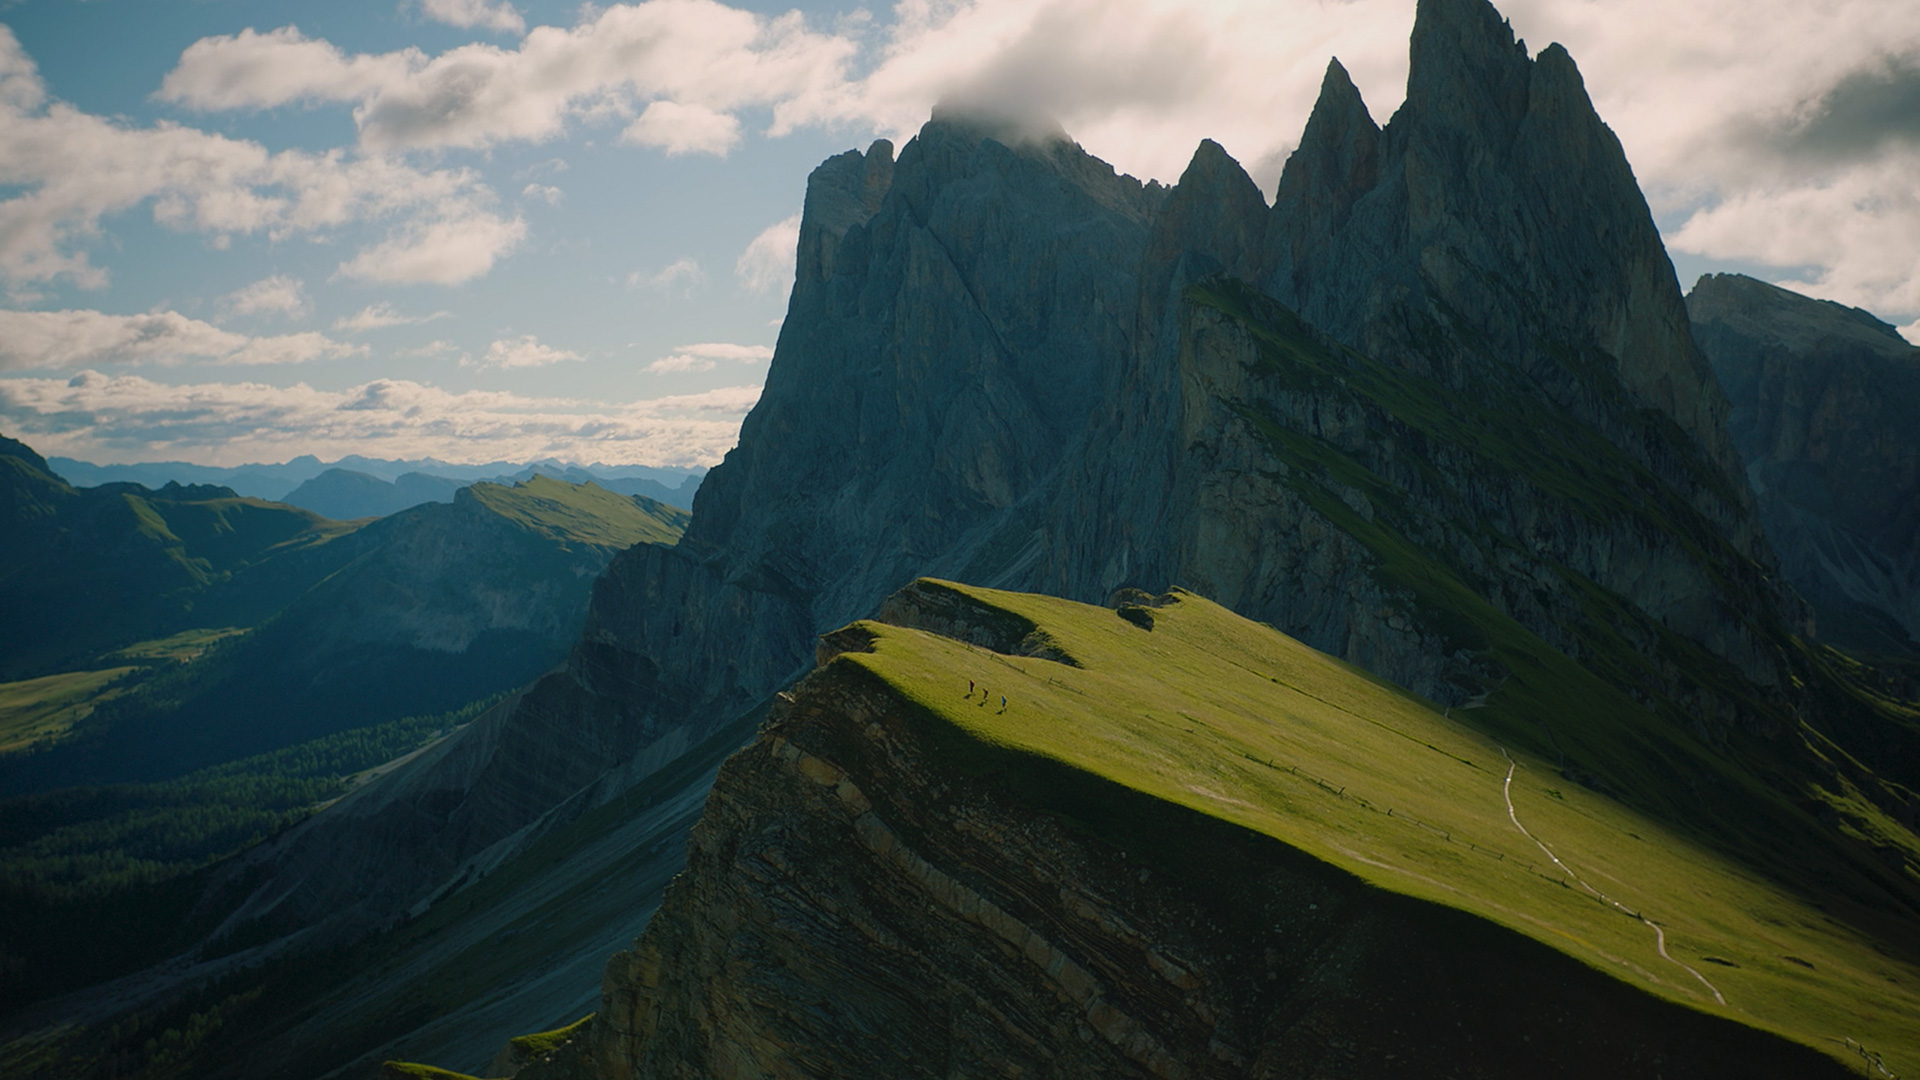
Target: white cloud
[[1911, 332], [704, 355], [63, 172], [380, 316], [277, 295], [444, 252], [499, 17], [524, 352], [679, 362], [68, 339], [766, 266], [261, 71], [684, 129], [128, 418], [721, 350], [434, 348], [544, 192], [680, 274], [700, 56]]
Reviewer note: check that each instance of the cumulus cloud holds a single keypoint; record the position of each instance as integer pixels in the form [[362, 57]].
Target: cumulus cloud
[[684, 129], [129, 418], [443, 252], [500, 17], [260, 71], [68, 339], [702, 60], [683, 274], [766, 266], [546, 193], [64, 171], [705, 355], [381, 315], [524, 352], [277, 295]]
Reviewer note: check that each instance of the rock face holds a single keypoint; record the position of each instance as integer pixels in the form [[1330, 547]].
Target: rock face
[[1437, 412], [1824, 398], [856, 905]]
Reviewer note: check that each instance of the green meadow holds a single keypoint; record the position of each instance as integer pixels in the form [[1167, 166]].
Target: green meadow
[[1239, 722]]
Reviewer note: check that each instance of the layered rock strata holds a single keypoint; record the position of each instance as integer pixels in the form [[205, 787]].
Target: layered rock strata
[[861, 900]]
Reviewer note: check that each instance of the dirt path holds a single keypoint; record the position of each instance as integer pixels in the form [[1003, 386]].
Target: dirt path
[[1659, 935]]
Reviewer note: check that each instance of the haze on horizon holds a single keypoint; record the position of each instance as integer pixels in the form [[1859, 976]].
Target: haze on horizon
[[479, 231]]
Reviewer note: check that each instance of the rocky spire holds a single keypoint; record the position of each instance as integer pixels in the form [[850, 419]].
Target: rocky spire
[[1214, 219], [1336, 163], [1495, 221]]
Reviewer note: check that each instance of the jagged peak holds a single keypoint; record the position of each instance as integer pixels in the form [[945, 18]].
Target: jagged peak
[[1216, 173], [1466, 64], [1340, 121], [1338, 159], [1214, 216]]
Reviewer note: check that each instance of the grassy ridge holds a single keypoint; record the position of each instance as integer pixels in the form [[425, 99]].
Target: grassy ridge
[[583, 513], [1236, 721]]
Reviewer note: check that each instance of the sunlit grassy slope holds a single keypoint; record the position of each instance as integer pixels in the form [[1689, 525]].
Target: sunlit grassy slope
[[1240, 722], [586, 513], [44, 708]]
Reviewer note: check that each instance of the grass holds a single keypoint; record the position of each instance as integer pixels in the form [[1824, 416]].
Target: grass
[[408, 1070], [584, 513], [1239, 722], [532, 1046], [43, 710], [37, 710], [181, 648]]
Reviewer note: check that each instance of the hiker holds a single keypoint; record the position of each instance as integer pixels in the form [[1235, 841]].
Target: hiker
[[1003, 703], [969, 687]]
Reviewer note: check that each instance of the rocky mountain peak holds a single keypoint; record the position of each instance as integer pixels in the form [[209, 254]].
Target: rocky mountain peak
[[1466, 65], [1778, 316], [1494, 223], [843, 191], [1213, 220]]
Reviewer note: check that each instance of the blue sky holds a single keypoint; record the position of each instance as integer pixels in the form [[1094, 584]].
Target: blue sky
[[235, 231]]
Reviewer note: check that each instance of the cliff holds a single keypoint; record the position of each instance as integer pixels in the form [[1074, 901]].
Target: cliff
[[1189, 846], [1823, 399]]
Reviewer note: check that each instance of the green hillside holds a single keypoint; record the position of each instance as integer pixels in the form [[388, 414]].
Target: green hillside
[[88, 570], [1198, 707], [584, 513]]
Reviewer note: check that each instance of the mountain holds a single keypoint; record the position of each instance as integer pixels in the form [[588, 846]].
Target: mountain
[[276, 481], [1188, 845], [1823, 397], [87, 570], [189, 751], [1437, 413], [345, 495], [427, 610]]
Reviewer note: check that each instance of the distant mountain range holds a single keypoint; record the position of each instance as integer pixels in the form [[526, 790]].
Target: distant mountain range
[[353, 498]]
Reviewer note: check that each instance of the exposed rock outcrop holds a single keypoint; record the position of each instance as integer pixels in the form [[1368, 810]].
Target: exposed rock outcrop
[[1824, 399], [859, 903]]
